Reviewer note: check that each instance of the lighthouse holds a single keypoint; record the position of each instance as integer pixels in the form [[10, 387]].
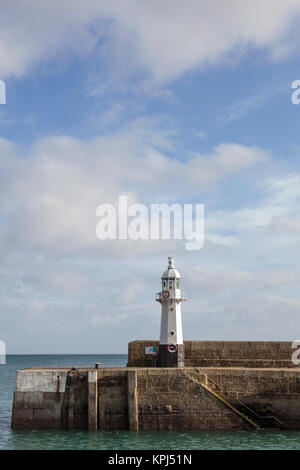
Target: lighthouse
[[171, 347]]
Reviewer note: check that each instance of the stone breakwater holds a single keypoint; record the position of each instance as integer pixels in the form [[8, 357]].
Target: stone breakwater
[[145, 398], [253, 354]]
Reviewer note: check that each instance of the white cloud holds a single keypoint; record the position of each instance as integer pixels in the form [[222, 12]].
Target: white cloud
[[276, 210], [163, 39], [241, 108], [168, 38], [49, 198], [58, 280]]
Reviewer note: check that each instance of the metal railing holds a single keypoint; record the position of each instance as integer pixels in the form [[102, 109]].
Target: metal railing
[[231, 398]]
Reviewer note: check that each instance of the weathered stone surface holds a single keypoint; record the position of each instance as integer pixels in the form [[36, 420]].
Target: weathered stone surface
[[22, 418], [168, 400], [40, 380], [112, 399], [92, 400], [75, 401], [158, 398], [254, 354], [132, 395]]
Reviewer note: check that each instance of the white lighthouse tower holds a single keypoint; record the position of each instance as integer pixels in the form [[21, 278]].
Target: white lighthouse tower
[[171, 347]]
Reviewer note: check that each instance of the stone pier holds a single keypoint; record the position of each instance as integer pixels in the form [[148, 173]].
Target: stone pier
[[157, 398]]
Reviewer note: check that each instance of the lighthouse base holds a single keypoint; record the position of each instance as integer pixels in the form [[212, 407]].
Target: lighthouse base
[[170, 359]]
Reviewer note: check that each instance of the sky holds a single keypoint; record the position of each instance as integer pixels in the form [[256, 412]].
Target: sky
[[165, 102]]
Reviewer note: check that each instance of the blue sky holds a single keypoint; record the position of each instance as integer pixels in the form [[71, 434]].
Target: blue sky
[[250, 99], [164, 104]]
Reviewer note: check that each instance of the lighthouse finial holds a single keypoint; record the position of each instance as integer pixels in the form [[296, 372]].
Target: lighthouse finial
[[171, 262]]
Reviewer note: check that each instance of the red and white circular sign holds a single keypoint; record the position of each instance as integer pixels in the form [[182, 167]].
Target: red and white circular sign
[[172, 348], [165, 294]]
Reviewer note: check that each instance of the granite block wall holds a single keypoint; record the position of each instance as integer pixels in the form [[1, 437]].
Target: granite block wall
[[254, 354]]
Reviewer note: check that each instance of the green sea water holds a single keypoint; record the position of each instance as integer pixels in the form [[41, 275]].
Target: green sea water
[[117, 440]]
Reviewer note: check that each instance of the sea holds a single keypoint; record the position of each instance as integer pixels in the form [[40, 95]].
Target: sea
[[117, 440]]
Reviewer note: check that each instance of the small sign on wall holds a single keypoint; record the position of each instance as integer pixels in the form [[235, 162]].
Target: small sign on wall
[[150, 349]]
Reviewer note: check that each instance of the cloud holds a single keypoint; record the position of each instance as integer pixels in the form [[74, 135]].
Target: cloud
[[242, 108], [276, 210], [49, 198], [61, 289], [244, 283], [161, 40], [57, 279]]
